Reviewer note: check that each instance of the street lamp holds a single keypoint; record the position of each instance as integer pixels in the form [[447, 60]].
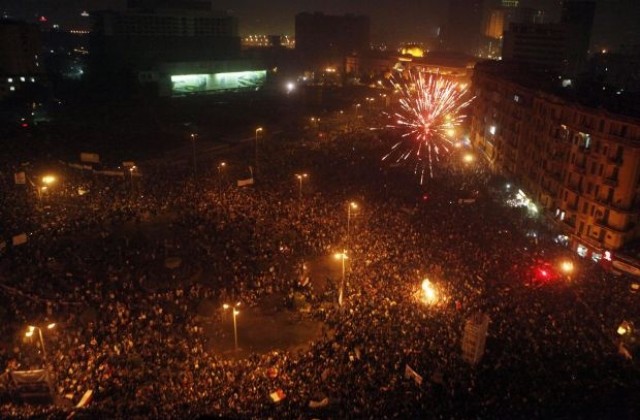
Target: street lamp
[[468, 158], [48, 179], [343, 257], [235, 312], [258, 130], [567, 268], [221, 167], [29, 334], [194, 136], [351, 206], [235, 328], [301, 177]]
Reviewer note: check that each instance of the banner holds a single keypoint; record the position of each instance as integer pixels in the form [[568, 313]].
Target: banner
[[244, 182], [19, 239], [80, 166], [109, 173], [319, 404], [412, 374], [20, 178], [89, 157], [277, 395]]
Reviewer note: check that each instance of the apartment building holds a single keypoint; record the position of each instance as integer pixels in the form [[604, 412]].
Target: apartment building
[[580, 164]]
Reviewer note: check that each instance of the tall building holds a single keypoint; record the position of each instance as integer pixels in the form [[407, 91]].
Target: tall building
[[182, 47], [152, 32], [20, 45], [541, 46], [463, 31], [577, 18], [499, 19], [580, 164], [326, 40]]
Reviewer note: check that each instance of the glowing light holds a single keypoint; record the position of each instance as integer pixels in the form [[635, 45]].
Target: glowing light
[[468, 158], [48, 179], [428, 292], [624, 328], [566, 267], [290, 87], [430, 110]]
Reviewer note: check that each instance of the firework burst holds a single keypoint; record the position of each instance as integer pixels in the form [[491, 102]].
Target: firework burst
[[430, 110]]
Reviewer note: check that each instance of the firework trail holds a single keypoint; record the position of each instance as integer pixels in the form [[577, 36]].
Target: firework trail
[[430, 111]]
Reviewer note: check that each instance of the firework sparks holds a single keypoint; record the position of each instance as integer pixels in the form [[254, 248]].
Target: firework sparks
[[430, 111]]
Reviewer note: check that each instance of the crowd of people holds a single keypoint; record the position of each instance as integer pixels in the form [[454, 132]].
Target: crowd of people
[[131, 330]]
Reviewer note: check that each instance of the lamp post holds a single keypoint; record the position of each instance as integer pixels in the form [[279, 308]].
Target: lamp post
[[194, 136], [258, 130], [46, 182], [300, 178], [567, 268], [341, 256], [29, 334], [235, 328], [221, 167], [235, 312], [351, 206]]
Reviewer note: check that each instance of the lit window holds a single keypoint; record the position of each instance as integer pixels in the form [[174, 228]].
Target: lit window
[[516, 98], [33, 79], [10, 80], [12, 88], [492, 130], [22, 79]]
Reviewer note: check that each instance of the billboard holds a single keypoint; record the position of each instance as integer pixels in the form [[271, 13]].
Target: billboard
[[210, 82]]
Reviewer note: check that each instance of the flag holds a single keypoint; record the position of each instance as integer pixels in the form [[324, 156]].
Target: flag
[[19, 239], [410, 373], [20, 178], [244, 182], [277, 395]]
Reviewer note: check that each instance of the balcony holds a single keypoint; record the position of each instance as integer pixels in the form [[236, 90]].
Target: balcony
[[615, 159], [612, 182], [605, 225], [574, 188], [572, 206], [580, 167], [604, 200]]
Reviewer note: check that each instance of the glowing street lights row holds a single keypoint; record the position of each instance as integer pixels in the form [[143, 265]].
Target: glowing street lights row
[[300, 178], [235, 312]]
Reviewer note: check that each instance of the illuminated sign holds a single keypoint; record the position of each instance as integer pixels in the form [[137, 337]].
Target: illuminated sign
[[195, 83]]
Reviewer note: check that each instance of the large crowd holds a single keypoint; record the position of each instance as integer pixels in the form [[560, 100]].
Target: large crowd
[[131, 330]]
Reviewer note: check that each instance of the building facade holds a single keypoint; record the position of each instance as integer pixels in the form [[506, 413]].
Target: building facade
[[463, 31], [577, 17], [149, 34], [541, 46], [580, 165], [323, 41], [20, 51]]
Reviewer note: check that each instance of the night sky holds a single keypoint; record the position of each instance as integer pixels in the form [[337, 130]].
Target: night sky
[[391, 20]]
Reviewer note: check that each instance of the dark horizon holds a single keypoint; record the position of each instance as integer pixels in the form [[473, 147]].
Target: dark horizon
[[412, 20]]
